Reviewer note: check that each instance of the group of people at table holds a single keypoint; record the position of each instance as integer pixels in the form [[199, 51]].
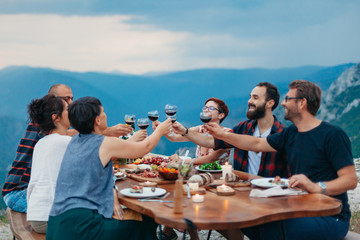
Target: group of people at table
[[63, 178]]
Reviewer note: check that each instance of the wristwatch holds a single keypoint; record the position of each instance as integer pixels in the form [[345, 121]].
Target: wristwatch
[[323, 187]]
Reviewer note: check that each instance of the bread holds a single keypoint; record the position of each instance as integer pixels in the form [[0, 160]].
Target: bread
[[231, 177], [202, 179]]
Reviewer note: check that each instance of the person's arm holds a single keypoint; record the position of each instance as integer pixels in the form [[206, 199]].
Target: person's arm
[[175, 137], [346, 180], [211, 157], [241, 141], [117, 130], [118, 211], [119, 148], [194, 135]]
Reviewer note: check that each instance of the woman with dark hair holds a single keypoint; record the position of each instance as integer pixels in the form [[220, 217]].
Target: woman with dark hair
[[83, 204], [50, 114]]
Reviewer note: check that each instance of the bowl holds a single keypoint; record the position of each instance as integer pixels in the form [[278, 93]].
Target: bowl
[[168, 175], [185, 169]]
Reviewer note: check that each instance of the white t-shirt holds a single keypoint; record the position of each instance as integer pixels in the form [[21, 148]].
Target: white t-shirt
[[255, 157], [47, 157]]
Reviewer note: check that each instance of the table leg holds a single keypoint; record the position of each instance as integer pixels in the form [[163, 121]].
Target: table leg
[[192, 229], [193, 234]]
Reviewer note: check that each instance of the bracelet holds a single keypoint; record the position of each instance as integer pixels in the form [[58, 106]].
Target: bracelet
[[186, 132]]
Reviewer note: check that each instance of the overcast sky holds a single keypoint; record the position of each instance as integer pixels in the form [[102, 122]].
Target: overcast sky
[[141, 36]]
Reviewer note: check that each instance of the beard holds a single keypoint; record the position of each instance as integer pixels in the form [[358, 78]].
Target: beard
[[292, 114], [259, 112]]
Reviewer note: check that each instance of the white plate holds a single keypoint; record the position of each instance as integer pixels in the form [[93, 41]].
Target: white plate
[[211, 171], [147, 193], [265, 182], [120, 175]]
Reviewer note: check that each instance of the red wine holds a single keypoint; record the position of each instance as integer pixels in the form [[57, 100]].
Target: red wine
[[152, 118], [130, 122], [205, 119], [143, 126], [173, 120], [170, 112]]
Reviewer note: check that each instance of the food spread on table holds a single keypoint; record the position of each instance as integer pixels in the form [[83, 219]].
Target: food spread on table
[[211, 166], [277, 181]]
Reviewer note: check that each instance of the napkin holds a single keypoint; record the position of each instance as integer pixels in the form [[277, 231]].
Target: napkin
[[275, 191]]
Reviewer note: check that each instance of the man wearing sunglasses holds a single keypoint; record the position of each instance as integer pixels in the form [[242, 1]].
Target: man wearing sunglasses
[[16, 183], [320, 160]]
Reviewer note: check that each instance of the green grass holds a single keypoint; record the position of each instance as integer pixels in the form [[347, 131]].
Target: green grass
[[3, 219], [355, 222]]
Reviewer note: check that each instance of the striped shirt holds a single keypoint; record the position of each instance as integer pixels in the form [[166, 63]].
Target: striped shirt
[[19, 175], [272, 163]]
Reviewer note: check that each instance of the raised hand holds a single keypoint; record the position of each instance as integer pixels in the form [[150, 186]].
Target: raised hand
[[154, 124], [214, 129], [164, 127], [178, 128], [118, 130], [138, 136]]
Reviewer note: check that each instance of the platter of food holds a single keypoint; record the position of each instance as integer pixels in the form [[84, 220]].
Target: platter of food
[[142, 192], [208, 170], [270, 182], [119, 175], [213, 167]]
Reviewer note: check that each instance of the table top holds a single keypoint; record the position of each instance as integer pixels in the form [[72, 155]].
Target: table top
[[229, 212]]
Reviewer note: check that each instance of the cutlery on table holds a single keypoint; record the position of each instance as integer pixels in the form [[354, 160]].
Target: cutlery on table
[[155, 198]]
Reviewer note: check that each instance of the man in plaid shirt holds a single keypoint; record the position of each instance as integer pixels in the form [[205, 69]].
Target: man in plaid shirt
[[16, 183], [264, 98]]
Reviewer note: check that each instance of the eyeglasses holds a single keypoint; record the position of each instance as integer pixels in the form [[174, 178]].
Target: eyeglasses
[[211, 108], [289, 98], [67, 98]]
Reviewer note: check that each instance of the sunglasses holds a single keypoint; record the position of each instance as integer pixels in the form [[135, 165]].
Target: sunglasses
[[211, 108], [289, 98]]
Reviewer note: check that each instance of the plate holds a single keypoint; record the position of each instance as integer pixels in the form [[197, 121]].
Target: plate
[[147, 193], [265, 182], [204, 170], [119, 176]]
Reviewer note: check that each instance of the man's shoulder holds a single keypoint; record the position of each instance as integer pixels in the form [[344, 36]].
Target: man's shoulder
[[243, 125]]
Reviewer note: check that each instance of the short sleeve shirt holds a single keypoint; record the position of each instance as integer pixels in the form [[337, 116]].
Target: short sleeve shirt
[[318, 154]]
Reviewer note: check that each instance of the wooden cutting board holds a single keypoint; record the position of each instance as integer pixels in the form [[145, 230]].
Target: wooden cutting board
[[231, 184], [158, 180]]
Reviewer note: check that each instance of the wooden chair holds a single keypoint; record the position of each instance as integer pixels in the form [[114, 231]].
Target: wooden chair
[[20, 228]]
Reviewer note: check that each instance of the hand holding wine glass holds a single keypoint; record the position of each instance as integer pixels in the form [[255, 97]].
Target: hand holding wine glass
[[205, 117], [130, 120], [164, 127], [170, 111]]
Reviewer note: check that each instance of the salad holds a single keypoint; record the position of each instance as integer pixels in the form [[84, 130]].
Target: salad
[[211, 166]]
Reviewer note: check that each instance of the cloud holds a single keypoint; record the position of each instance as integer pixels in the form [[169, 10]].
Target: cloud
[[136, 44], [83, 43]]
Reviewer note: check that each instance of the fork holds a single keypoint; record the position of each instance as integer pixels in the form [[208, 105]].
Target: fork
[[158, 198]]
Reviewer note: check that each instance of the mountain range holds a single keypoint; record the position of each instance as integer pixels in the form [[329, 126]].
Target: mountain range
[[138, 94]]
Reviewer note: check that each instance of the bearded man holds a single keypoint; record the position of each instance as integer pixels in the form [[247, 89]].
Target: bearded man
[[264, 98]]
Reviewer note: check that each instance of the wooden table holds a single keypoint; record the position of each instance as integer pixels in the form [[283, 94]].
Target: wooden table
[[231, 212]]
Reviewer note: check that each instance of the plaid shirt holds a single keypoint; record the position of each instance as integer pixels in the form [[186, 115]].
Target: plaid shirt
[[272, 163], [19, 175]]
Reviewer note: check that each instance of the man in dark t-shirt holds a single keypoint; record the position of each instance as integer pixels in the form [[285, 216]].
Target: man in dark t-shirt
[[320, 160]]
